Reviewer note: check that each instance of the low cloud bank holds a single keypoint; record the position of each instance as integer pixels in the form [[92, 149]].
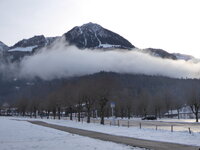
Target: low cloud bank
[[61, 61]]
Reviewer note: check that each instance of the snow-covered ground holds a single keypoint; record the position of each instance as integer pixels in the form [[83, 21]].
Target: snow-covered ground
[[21, 135], [182, 137], [178, 120], [164, 120]]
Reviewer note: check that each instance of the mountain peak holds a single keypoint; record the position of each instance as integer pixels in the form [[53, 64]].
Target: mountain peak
[[38, 40], [92, 35], [91, 26]]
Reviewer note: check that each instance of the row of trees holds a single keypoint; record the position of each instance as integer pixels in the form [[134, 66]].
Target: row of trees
[[86, 95], [94, 93]]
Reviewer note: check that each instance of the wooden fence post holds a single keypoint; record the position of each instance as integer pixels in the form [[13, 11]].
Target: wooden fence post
[[189, 130]]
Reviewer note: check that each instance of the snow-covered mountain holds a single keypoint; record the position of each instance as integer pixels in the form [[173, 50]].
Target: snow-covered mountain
[[28, 45], [92, 36], [3, 47], [3, 50], [159, 53], [186, 57], [183, 56], [164, 54], [89, 35]]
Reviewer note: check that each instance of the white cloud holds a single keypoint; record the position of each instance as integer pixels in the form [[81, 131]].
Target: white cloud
[[66, 61]]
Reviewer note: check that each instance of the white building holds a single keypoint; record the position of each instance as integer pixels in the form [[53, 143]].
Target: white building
[[184, 113]]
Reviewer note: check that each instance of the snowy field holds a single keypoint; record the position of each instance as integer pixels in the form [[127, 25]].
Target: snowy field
[[178, 120], [21, 135], [182, 137]]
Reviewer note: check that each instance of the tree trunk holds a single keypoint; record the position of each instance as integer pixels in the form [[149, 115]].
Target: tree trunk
[[79, 116], [102, 103], [31, 114], [178, 114], [35, 111], [145, 113], [168, 113], [195, 110], [79, 111], [54, 113], [48, 113], [35, 115], [102, 118], [171, 114], [23, 113], [159, 113], [88, 115], [59, 113], [122, 113], [197, 117], [88, 119], [129, 113], [102, 115], [70, 113], [156, 112]]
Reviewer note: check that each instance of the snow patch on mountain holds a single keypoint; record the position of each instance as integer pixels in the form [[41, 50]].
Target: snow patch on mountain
[[23, 49], [108, 46]]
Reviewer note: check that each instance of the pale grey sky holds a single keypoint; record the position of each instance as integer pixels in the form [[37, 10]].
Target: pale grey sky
[[173, 25]]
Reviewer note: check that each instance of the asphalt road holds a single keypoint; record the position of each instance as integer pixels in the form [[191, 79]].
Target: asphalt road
[[119, 139]]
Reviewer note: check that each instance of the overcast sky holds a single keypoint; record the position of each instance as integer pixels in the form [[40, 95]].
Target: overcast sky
[[173, 25]]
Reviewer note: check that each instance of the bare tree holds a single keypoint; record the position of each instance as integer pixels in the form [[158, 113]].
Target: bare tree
[[194, 102], [79, 107], [104, 86], [157, 104], [34, 106], [88, 94], [88, 104], [143, 103], [177, 105], [22, 105], [168, 102], [51, 105], [69, 96]]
